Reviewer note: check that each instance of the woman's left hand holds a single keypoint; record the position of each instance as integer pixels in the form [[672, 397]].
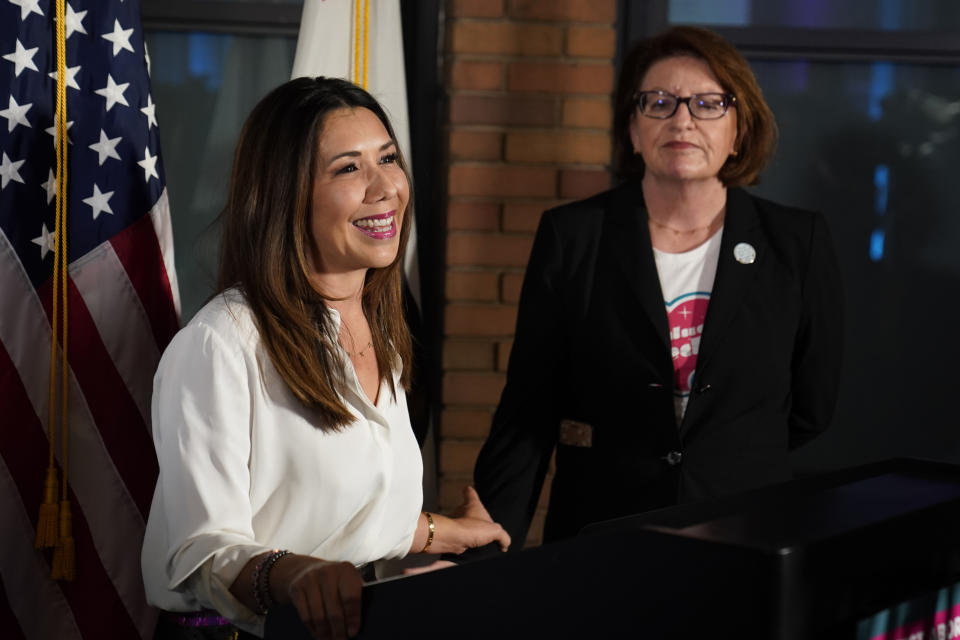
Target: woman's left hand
[[471, 526]]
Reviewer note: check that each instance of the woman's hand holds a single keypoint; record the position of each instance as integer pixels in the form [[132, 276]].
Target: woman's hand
[[472, 507], [471, 526], [326, 594], [477, 528]]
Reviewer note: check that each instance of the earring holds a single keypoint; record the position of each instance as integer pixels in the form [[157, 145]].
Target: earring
[[734, 153]]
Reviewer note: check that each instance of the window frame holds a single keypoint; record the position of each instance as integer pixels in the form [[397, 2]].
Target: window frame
[[240, 18], [640, 20]]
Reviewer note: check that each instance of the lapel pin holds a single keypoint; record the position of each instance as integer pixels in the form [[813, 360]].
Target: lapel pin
[[745, 253]]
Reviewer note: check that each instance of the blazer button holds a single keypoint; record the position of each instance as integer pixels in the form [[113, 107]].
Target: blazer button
[[673, 458], [704, 388]]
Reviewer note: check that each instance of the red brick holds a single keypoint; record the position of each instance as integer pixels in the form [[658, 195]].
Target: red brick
[[506, 38], [476, 145], [577, 183], [488, 249], [465, 423], [591, 42], [505, 110], [462, 319], [472, 285], [558, 147], [560, 77], [473, 216], [476, 8], [501, 181], [573, 10], [503, 354], [468, 355], [478, 75], [524, 216], [473, 388], [459, 456], [587, 112], [510, 286]]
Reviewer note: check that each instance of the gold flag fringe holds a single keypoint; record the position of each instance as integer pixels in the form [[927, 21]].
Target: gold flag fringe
[[48, 532], [47, 521], [64, 555], [361, 42]]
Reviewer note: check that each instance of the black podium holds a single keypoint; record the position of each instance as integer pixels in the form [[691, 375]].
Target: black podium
[[805, 559]]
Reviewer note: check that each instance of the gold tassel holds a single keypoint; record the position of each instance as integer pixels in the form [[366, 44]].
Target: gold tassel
[[47, 520], [64, 555]]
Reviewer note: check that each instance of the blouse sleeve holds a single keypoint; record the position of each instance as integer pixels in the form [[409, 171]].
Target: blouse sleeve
[[819, 345], [201, 422]]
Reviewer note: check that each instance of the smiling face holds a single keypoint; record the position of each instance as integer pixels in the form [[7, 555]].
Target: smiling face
[[360, 196], [682, 147]]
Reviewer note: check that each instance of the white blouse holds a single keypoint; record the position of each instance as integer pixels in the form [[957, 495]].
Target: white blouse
[[244, 469]]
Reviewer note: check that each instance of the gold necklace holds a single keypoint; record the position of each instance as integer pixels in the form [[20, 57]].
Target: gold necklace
[[360, 353], [708, 227]]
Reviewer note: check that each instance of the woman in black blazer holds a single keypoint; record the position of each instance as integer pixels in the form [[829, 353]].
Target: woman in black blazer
[[676, 336]]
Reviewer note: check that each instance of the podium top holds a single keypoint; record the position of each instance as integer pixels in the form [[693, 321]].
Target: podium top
[[805, 559], [782, 518]]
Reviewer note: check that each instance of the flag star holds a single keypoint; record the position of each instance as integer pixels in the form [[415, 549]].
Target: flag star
[[149, 164], [46, 240], [71, 77], [50, 186], [150, 111], [16, 114], [9, 171], [113, 92], [98, 201], [146, 56], [75, 21], [22, 59], [27, 7], [106, 148], [119, 37], [53, 131]]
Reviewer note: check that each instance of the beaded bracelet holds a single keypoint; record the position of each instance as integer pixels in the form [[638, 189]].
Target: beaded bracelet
[[261, 580], [430, 530]]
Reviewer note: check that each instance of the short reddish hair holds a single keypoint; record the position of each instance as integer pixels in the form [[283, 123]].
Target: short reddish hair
[[756, 127]]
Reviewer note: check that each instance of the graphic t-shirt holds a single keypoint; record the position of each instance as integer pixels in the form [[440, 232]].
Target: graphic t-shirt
[[686, 280]]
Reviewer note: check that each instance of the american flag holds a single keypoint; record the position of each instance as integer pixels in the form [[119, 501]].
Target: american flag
[[123, 309]]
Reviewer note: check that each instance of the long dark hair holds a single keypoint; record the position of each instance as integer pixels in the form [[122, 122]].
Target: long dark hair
[[264, 246]]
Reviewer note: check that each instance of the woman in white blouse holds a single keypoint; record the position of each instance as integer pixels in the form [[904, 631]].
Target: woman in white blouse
[[286, 454]]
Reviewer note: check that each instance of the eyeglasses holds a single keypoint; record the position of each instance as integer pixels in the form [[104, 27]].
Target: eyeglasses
[[703, 106]]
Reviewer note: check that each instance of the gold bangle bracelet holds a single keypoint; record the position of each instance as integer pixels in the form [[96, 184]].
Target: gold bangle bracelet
[[431, 528]]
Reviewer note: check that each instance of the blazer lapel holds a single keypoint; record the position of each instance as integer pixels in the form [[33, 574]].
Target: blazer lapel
[[734, 277], [626, 243]]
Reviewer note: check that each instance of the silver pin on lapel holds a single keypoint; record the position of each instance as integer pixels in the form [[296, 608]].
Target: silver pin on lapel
[[745, 253]]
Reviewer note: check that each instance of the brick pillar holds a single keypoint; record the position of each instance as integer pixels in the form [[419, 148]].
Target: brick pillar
[[529, 84]]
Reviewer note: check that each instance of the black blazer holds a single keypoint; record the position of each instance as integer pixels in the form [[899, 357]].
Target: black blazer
[[592, 347]]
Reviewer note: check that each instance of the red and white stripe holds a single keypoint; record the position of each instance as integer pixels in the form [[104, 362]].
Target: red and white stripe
[[123, 309]]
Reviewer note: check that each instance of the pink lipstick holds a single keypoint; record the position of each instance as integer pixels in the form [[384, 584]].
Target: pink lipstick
[[380, 227]]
